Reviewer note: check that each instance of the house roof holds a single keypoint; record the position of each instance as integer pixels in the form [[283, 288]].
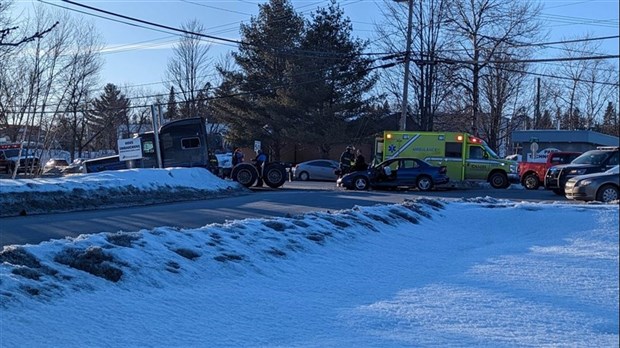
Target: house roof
[[565, 136]]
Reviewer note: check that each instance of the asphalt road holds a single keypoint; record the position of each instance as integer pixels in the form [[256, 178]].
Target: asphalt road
[[293, 198]]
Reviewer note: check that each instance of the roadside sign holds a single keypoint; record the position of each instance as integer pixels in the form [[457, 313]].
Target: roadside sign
[[257, 145], [534, 147], [129, 149]]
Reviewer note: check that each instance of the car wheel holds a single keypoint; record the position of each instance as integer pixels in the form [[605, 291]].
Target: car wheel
[[424, 183], [360, 183], [274, 175], [304, 176], [531, 182], [498, 180], [607, 193], [245, 174]]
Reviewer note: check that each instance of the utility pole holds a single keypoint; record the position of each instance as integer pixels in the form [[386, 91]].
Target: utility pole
[[537, 115], [403, 115]]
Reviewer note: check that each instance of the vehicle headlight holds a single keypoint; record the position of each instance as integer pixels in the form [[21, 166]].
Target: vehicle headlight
[[513, 168], [577, 171], [585, 182]]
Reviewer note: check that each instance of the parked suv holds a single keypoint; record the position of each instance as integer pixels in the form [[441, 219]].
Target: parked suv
[[593, 161]]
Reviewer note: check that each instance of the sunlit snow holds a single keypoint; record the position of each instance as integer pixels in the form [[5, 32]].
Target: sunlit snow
[[425, 273]]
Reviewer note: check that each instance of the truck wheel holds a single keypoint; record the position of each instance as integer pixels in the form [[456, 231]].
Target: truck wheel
[[274, 175], [531, 182], [499, 180], [607, 193], [360, 183], [245, 174], [424, 183]]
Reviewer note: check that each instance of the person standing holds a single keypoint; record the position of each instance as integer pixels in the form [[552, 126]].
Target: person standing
[[360, 162], [259, 162], [237, 156], [346, 160]]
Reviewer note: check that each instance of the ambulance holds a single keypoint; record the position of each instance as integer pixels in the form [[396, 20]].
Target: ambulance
[[467, 157]]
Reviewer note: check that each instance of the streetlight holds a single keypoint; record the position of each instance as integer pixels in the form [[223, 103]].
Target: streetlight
[[403, 115]]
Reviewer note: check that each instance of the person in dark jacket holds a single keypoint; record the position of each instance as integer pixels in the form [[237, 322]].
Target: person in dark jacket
[[237, 156], [360, 162], [347, 158], [259, 162]]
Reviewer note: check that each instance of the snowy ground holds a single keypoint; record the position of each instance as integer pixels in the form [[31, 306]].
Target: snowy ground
[[424, 273], [111, 189]]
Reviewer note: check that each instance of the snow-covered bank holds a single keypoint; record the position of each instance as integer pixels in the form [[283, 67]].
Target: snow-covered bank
[[111, 189], [474, 273]]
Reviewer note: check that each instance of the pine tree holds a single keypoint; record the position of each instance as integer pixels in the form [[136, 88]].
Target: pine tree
[[260, 110], [610, 121], [110, 111], [333, 81], [172, 109]]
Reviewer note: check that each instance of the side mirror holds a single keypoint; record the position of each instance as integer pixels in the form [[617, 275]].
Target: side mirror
[[485, 155]]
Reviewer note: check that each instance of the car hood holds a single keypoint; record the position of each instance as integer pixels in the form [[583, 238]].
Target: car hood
[[594, 175], [575, 166]]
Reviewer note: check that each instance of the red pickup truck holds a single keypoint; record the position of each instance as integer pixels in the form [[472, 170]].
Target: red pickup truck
[[532, 174]]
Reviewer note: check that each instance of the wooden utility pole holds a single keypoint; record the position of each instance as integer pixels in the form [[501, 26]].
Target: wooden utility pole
[[403, 115]]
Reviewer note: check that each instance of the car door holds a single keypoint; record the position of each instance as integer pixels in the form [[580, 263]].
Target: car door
[[323, 170], [477, 167], [408, 172]]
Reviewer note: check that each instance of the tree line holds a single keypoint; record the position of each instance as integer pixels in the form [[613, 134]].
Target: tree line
[[307, 80]]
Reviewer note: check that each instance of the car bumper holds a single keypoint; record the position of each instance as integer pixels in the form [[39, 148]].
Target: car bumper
[[583, 193], [513, 178], [442, 181]]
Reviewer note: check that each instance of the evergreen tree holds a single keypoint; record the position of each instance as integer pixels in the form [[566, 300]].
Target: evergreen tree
[[333, 82], [610, 124], [109, 112], [172, 109], [259, 109]]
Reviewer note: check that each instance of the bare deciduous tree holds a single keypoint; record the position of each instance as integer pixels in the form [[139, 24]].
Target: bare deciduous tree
[[483, 26], [188, 68]]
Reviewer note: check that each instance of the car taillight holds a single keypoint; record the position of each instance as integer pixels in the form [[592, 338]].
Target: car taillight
[[443, 170]]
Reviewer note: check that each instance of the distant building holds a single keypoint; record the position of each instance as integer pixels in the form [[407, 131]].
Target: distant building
[[549, 140]]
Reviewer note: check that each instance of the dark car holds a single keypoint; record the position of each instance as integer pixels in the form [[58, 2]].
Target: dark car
[[602, 187], [396, 173], [593, 161]]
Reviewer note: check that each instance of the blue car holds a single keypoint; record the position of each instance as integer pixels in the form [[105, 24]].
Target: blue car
[[397, 173]]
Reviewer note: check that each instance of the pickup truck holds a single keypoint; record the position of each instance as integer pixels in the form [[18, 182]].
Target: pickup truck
[[532, 174]]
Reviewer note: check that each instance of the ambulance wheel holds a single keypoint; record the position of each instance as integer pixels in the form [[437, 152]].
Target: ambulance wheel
[[245, 174], [499, 180], [274, 175]]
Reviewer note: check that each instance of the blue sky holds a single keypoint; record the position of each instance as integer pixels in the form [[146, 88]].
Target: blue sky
[[136, 56]]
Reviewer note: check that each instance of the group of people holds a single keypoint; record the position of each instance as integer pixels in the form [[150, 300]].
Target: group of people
[[352, 160]]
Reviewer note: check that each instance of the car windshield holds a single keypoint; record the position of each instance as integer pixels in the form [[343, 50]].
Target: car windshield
[[591, 157], [613, 170]]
